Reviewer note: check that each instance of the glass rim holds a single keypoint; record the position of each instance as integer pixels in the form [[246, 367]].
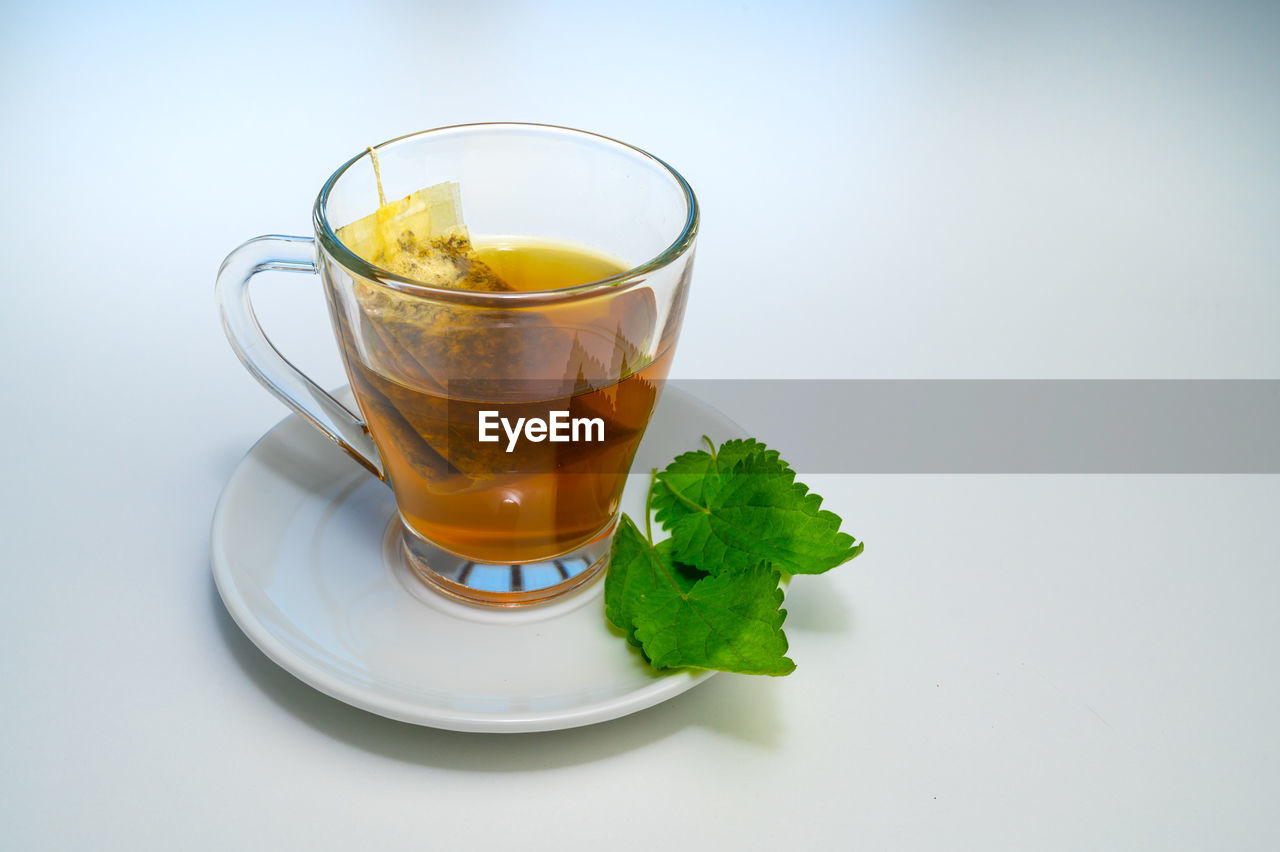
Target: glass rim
[[616, 283]]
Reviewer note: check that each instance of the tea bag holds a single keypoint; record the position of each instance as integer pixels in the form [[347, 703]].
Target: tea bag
[[422, 237], [413, 346]]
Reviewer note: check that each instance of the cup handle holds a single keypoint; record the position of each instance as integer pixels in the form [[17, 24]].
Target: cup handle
[[264, 361]]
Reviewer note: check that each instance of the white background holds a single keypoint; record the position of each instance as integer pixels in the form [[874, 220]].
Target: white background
[[889, 190]]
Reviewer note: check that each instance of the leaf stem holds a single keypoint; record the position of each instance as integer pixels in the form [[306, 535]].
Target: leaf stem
[[710, 445], [648, 503], [685, 500]]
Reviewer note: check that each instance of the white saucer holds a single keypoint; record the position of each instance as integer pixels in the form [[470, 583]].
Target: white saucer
[[306, 564]]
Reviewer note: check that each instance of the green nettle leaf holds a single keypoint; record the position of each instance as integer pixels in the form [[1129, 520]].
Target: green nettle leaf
[[747, 508], [636, 568], [709, 597], [730, 622], [692, 476], [681, 617]]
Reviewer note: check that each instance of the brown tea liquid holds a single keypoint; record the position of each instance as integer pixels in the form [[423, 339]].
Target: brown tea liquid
[[423, 372]]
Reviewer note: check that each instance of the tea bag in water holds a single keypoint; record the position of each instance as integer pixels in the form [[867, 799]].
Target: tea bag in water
[[407, 338], [409, 347]]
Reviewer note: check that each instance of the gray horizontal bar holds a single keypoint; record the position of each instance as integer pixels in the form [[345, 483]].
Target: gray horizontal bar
[[1008, 426]]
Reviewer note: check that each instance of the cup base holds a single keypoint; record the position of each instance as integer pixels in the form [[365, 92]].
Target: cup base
[[502, 584]]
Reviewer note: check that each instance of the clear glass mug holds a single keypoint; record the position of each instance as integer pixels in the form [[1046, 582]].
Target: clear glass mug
[[436, 371]]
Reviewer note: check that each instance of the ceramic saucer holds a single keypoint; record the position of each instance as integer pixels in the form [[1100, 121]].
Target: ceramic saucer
[[306, 560]]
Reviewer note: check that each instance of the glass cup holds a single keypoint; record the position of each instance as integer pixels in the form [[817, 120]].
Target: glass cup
[[438, 372]]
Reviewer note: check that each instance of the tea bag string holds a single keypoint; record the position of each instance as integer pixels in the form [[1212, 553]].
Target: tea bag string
[[377, 173]]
